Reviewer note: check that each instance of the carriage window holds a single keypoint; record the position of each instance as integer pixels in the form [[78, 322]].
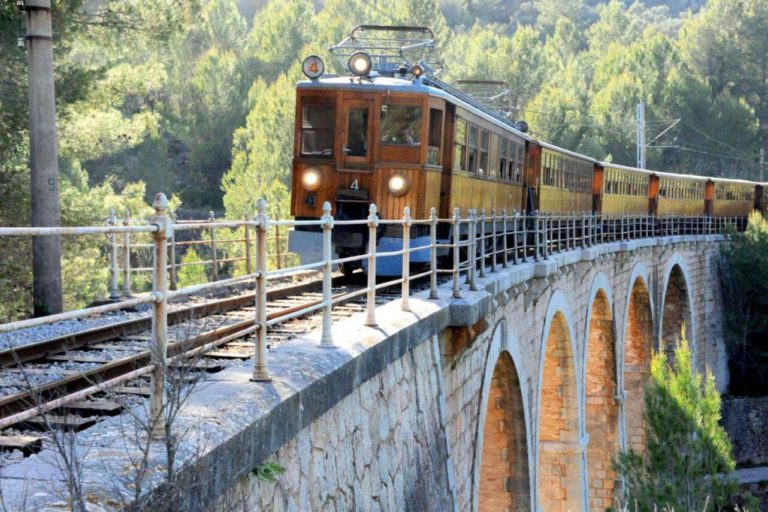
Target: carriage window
[[485, 141], [472, 162], [503, 158], [357, 132], [435, 136], [460, 145], [400, 125], [519, 162], [317, 130]]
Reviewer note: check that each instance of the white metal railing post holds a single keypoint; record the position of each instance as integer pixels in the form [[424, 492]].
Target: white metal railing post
[[326, 340], [537, 236], [504, 247], [214, 257], [433, 253], [260, 370], [472, 277], [516, 242], [574, 243], [456, 252], [482, 243], [545, 245], [370, 308], [127, 256], [493, 240], [406, 285], [114, 289], [159, 349]]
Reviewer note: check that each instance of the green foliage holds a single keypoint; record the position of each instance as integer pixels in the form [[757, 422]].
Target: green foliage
[[688, 463], [191, 274], [268, 471], [744, 277]]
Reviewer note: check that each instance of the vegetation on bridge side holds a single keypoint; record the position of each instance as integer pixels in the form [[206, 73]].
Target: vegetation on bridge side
[[687, 465], [744, 277]]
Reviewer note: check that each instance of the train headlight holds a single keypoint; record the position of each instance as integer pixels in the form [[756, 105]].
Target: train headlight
[[360, 64], [417, 70], [311, 178], [397, 185]]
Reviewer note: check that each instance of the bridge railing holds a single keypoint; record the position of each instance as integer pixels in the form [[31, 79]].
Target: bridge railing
[[461, 247], [126, 254]]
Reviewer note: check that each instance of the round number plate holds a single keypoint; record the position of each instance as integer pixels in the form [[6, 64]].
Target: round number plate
[[313, 66]]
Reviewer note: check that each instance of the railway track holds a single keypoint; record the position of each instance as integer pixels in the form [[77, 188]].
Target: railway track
[[78, 376]]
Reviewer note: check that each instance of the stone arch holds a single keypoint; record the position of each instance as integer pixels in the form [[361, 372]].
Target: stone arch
[[635, 360], [676, 307], [560, 461], [600, 385], [501, 468]]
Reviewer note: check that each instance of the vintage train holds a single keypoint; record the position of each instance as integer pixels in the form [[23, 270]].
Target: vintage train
[[392, 134]]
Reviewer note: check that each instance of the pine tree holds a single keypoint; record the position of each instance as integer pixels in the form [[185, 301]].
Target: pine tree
[[687, 464]]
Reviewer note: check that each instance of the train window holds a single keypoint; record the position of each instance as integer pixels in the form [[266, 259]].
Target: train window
[[400, 125], [519, 162], [503, 152], [357, 132], [460, 145], [317, 130], [435, 136], [472, 143], [485, 144]]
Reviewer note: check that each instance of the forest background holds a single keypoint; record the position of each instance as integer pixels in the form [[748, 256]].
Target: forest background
[[195, 98]]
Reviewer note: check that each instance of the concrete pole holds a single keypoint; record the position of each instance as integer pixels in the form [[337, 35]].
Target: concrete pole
[[641, 147], [46, 250]]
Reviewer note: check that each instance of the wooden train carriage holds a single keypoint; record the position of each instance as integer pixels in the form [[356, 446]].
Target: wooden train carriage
[[362, 143], [680, 194], [734, 198], [563, 183], [625, 190], [487, 164]]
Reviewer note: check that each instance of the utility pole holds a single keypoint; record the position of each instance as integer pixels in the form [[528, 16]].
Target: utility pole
[[762, 165], [641, 135], [46, 210]]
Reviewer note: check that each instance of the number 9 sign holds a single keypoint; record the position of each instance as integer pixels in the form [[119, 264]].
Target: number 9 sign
[[313, 67]]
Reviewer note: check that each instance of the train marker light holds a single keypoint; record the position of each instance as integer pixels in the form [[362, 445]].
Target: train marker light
[[360, 64], [313, 67], [397, 185], [311, 179], [417, 70]]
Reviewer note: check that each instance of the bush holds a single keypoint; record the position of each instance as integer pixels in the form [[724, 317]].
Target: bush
[[687, 465]]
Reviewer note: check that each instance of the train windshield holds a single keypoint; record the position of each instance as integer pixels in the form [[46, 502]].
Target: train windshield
[[317, 130], [400, 125]]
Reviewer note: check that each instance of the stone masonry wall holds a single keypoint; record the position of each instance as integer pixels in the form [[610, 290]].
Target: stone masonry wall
[[380, 448]]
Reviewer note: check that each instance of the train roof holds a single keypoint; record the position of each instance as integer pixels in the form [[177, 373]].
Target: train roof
[[428, 86], [568, 152]]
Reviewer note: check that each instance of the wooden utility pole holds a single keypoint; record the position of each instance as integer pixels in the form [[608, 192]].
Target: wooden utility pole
[[46, 210]]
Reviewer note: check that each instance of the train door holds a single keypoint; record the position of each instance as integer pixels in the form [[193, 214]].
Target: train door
[[532, 177], [653, 195], [446, 208], [709, 196], [597, 189], [356, 137]]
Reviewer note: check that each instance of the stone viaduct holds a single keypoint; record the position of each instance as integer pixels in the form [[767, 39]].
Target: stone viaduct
[[514, 397]]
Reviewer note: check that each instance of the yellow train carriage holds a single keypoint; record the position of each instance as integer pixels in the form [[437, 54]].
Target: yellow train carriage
[[733, 198], [681, 194], [565, 182], [487, 165], [625, 190]]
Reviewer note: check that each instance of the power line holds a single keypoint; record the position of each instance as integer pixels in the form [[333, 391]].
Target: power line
[[720, 155], [716, 140]]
